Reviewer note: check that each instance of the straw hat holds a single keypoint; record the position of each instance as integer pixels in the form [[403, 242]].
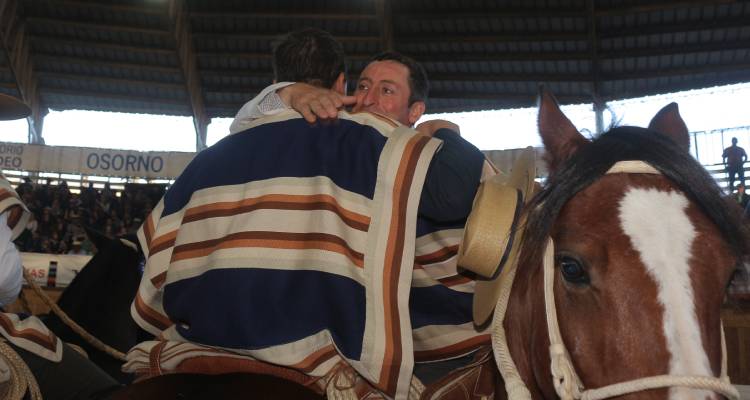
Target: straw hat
[[11, 108], [492, 236]]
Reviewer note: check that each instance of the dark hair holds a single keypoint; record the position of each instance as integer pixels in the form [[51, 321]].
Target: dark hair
[[628, 143], [308, 55], [419, 86]]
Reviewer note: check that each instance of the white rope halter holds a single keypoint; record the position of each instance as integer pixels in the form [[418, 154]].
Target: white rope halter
[[565, 379]]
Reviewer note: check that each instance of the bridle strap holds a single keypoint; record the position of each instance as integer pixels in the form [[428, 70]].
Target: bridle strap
[[569, 386]]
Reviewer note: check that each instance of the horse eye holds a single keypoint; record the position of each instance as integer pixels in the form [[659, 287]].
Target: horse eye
[[573, 271]]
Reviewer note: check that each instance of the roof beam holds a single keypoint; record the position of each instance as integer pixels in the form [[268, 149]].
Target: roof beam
[[16, 45], [114, 96], [140, 8], [531, 36], [676, 49], [506, 77], [264, 56], [97, 26], [654, 29], [384, 14], [282, 15], [661, 73], [104, 45], [269, 37], [180, 25], [95, 62], [493, 14], [596, 98], [117, 81], [654, 6]]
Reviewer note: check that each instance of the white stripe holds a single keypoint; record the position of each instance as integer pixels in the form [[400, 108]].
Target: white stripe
[[660, 230]]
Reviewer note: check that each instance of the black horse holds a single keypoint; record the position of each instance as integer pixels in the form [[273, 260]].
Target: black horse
[[99, 300]]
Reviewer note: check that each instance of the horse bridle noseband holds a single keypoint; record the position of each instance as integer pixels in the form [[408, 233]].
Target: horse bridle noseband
[[566, 381]]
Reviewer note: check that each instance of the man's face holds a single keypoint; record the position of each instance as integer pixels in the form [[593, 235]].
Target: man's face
[[383, 88]]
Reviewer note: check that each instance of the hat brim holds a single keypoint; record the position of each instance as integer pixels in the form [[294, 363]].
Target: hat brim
[[487, 291], [11, 108]]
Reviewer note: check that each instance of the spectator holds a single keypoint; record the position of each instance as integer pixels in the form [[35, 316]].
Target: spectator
[[734, 160]]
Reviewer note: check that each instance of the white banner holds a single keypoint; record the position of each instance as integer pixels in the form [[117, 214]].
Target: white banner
[[92, 161], [65, 266]]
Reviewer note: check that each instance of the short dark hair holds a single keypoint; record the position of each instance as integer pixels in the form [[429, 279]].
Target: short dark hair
[[308, 55], [419, 86]]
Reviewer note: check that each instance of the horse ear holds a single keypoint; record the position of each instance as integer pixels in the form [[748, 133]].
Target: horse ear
[[669, 122], [560, 137]]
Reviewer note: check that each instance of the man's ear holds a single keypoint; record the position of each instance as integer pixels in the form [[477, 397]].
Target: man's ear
[[415, 112], [340, 85]]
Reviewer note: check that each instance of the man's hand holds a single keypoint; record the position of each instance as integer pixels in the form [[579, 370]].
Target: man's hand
[[314, 102], [430, 127]]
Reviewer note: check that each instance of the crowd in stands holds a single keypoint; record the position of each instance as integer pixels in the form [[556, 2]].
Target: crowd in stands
[[60, 217]]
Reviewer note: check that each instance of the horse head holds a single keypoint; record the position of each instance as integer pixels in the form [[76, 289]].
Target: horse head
[[642, 258]]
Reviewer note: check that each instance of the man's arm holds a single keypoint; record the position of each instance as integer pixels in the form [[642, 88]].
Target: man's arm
[[314, 102], [453, 176], [267, 102]]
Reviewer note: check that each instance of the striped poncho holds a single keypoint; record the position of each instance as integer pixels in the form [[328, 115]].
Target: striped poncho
[[301, 246], [26, 332]]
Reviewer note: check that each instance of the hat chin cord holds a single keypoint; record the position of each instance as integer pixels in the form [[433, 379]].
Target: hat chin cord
[[568, 385]]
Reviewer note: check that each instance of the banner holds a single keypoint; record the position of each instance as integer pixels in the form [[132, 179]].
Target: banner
[[53, 270], [92, 161]]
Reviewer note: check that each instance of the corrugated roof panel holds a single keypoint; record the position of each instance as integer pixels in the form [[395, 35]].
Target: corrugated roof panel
[[93, 69], [73, 101], [143, 15], [154, 91], [160, 57]]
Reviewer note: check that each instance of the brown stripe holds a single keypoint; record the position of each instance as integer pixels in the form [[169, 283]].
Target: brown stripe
[[393, 258], [150, 315], [274, 240], [159, 280], [162, 242], [453, 350], [454, 280], [315, 359], [378, 116], [47, 341], [441, 255], [5, 194], [278, 202], [148, 230]]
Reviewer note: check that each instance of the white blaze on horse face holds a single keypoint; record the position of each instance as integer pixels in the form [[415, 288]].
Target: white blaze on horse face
[[660, 230]]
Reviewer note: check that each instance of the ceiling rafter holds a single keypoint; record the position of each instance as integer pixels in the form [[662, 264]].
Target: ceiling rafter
[[384, 14], [16, 46], [111, 80], [180, 26], [98, 26], [661, 29], [656, 6], [143, 8], [78, 43], [116, 96], [280, 15], [95, 62]]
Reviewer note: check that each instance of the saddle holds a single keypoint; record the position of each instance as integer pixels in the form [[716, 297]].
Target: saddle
[[200, 377]]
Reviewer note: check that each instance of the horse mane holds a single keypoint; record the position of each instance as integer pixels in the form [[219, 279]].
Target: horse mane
[[620, 144]]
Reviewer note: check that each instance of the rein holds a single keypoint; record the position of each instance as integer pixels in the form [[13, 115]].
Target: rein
[[91, 339], [567, 383]]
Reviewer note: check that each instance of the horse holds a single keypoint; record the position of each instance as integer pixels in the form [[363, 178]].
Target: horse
[[638, 248], [99, 298]]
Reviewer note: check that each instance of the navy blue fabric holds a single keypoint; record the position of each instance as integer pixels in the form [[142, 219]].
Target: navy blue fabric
[[257, 308], [439, 305], [452, 180], [343, 150]]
